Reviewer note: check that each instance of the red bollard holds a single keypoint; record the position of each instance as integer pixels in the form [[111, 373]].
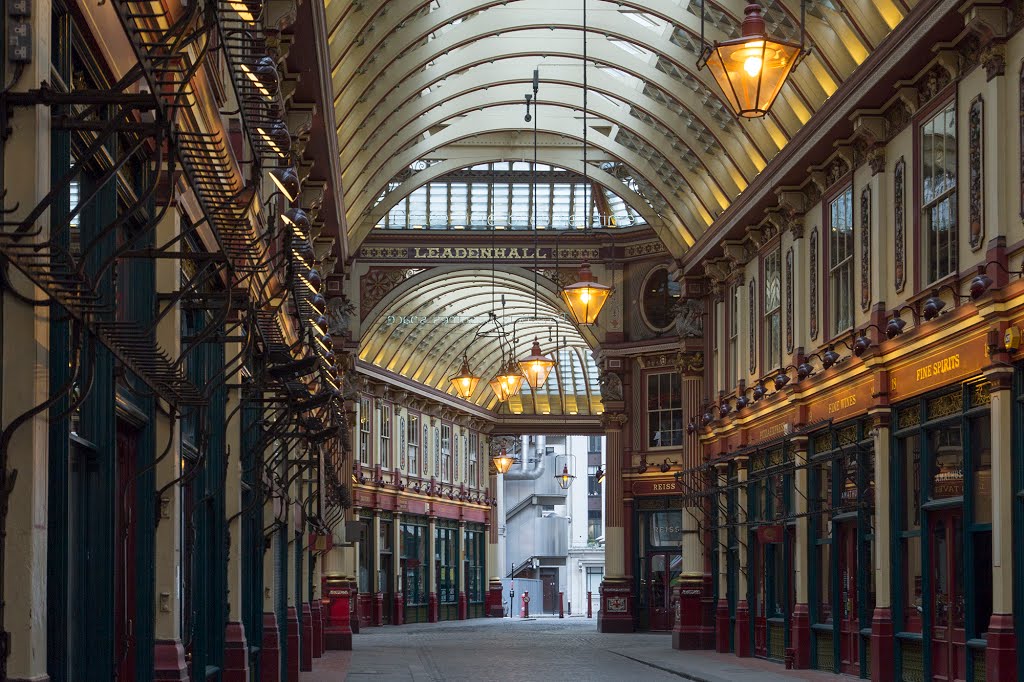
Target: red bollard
[[524, 609], [590, 605], [561, 607]]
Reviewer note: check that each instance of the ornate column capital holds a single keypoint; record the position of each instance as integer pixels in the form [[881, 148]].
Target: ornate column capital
[[613, 420]]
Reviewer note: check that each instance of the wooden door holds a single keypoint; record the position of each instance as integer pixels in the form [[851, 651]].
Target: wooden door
[[549, 581], [849, 623], [946, 598], [662, 568]]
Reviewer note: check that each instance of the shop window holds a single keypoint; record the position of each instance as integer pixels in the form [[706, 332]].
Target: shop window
[[475, 554], [446, 453], [366, 551], [938, 140], [773, 309], [413, 444], [414, 571], [384, 456], [840, 261], [593, 525], [364, 431], [446, 562], [594, 445], [658, 300], [593, 487], [664, 410]]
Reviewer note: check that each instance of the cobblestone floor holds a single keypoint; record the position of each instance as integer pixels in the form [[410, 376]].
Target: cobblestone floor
[[513, 650]]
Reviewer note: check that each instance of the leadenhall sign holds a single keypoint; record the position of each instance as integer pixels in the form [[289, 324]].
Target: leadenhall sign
[[471, 253]]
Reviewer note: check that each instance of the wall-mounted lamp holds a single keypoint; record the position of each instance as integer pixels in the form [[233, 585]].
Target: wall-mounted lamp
[[896, 323], [982, 282], [781, 379], [830, 357], [642, 469], [804, 370], [759, 391], [666, 466], [286, 180]]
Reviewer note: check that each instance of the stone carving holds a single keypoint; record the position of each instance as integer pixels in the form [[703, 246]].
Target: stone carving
[[691, 362], [899, 190], [611, 386], [789, 300], [865, 249], [975, 175], [813, 281], [339, 310], [689, 318]]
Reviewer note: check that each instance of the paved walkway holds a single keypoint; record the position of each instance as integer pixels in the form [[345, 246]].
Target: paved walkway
[[488, 650]]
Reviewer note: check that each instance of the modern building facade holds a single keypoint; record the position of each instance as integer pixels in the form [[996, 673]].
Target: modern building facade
[[267, 265]]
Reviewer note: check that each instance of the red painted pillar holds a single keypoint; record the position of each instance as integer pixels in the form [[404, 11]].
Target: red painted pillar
[[338, 610], [590, 604], [742, 636], [883, 647], [292, 633], [722, 627], [316, 608], [378, 609], [169, 661], [432, 612], [801, 637], [561, 604], [1001, 652], [463, 606], [689, 613], [270, 649], [398, 617], [494, 597], [306, 659], [236, 654]]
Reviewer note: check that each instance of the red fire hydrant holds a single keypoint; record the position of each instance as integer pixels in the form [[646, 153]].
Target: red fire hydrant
[[524, 610]]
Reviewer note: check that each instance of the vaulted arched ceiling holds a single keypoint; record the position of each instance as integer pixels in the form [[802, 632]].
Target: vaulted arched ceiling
[[421, 330], [442, 82]]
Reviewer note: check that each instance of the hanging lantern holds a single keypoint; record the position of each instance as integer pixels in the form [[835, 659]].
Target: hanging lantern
[[464, 382], [506, 383], [563, 474], [503, 461], [586, 297], [536, 366], [751, 69]]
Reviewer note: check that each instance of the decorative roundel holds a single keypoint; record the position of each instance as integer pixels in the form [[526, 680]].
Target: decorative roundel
[[658, 298]]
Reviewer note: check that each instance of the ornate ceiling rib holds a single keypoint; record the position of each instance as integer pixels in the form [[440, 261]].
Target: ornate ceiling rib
[[428, 79], [422, 328]]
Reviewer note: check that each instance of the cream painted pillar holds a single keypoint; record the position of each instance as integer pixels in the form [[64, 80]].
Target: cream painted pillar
[[742, 636], [233, 488], [614, 534], [167, 428], [432, 605], [25, 378], [801, 620], [396, 565], [721, 509], [375, 583], [693, 549], [1001, 652], [883, 642]]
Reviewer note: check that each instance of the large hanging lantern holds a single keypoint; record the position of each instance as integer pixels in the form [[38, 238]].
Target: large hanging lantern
[[586, 297], [752, 68], [465, 382], [503, 461], [506, 383], [536, 366]]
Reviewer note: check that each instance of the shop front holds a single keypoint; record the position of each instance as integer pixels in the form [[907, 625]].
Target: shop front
[[842, 575], [942, 523], [415, 568], [771, 539], [658, 559], [446, 569]]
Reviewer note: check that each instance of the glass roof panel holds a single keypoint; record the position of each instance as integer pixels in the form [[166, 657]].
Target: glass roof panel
[[498, 196]]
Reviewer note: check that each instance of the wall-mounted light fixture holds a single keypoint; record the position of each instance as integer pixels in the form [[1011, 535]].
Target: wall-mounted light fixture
[[894, 327], [982, 282], [286, 180]]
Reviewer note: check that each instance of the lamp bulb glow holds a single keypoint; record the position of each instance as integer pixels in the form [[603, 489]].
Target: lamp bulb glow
[[752, 65], [585, 296]]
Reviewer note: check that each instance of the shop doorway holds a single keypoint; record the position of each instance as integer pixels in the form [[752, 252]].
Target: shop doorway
[[662, 569], [949, 649], [849, 619], [549, 579]]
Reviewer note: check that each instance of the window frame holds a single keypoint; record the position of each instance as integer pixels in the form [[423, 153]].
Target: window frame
[[773, 251], [446, 453], [472, 470], [673, 443], [835, 270], [922, 250], [384, 441], [412, 444], [365, 429], [732, 364]]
